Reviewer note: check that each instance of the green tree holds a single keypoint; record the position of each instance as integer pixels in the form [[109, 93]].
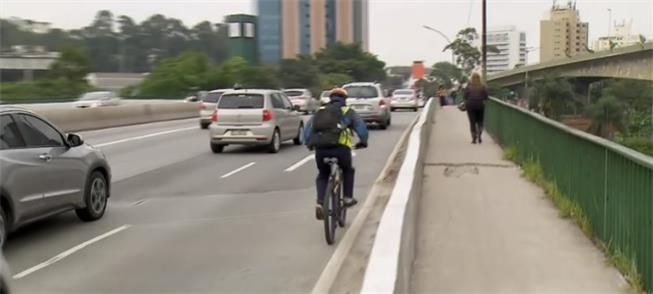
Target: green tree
[[552, 96], [299, 72], [446, 73], [178, 75], [73, 65], [352, 60], [468, 57], [607, 114]]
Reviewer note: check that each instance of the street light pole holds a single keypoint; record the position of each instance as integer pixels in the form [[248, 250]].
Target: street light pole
[[484, 41], [453, 59], [609, 22]]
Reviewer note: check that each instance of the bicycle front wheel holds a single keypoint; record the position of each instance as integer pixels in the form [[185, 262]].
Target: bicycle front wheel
[[329, 211]]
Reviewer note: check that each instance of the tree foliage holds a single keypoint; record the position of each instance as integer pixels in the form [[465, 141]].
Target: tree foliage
[[446, 73], [73, 65], [552, 96], [467, 56], [352, 60], [607, 115], [118, 43]]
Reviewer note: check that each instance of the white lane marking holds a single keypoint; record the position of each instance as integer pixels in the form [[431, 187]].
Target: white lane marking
[[231, 173], [300, 163], [68, 252], [305, 160], [139, 202], [143, 137]]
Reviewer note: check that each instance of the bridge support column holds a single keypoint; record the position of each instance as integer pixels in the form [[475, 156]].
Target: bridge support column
[[28, 75]]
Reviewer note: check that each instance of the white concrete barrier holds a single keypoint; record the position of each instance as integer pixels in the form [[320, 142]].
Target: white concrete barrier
[[390, 263], [80, 119]]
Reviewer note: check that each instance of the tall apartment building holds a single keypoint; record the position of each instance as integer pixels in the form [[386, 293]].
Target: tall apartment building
[[563, 34], [291, 27], [511, 44], [620, 36]]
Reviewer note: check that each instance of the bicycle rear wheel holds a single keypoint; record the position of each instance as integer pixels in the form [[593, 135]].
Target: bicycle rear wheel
[[329, 211], [342, 209]]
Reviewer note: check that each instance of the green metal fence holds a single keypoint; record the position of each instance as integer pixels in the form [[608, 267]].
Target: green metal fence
[[612, 184]]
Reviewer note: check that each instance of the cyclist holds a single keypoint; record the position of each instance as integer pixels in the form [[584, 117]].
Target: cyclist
[[329, 132]]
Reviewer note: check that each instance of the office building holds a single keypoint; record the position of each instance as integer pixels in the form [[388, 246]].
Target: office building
[[511, 45], [243, 36], [619, 36], [563, 35], [292, 27]]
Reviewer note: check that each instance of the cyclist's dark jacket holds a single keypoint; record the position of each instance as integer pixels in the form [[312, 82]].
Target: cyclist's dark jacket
[[350, 119]]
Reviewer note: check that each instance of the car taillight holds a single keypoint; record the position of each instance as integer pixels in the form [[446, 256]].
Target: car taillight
[[214, 116], [267, 115], [201, 105], [382, 102]]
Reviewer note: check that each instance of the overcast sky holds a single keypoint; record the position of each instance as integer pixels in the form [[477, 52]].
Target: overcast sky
[[396, 32]]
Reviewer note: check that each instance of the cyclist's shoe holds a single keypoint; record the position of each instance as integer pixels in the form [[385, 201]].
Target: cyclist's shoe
[[349, 202], [318, 212]]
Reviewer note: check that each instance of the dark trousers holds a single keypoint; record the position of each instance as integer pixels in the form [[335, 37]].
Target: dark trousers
[[476, 114], [343, 154], [443, 100]]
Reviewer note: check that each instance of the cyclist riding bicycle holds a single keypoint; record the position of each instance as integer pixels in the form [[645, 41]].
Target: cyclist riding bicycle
[[329, 132]]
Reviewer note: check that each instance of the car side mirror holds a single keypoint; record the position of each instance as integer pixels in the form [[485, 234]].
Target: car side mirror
[[74, 140]]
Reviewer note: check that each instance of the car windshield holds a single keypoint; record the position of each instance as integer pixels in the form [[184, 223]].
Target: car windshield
[[237, 101], [294, 93], [96, 96], [362, 92], [403, 92], [212, 97]]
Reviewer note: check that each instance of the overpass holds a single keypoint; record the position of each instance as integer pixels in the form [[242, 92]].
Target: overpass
[[633, 62], [27, 63]]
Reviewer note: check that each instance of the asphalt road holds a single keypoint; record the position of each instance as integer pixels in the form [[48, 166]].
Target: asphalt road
[[182, 219]]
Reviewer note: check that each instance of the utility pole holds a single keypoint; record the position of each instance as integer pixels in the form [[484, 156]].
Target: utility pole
[[609, 22], [484, 41]]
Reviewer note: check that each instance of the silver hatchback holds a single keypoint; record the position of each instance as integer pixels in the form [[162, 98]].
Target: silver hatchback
[[255, 117], [46, 172]]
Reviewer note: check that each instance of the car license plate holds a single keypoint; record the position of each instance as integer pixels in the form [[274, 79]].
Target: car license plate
[[238, 133]]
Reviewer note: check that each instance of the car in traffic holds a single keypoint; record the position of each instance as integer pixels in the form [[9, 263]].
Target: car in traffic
[[370, 104], [255, 117], [404, 99], [5, 275], [46, 172], [97, 99], [324, 97], [207, 106], [304, 99]]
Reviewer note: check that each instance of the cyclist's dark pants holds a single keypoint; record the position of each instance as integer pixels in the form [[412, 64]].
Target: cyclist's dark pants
[[343, 154]]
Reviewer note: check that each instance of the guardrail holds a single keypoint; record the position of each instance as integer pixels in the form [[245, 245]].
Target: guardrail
[[71, 119], [612, 184], [390, 263]]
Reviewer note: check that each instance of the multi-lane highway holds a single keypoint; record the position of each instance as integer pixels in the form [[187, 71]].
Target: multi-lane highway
[[182, 219]]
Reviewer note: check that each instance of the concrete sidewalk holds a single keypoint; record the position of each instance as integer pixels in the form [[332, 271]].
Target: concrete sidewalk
[[482, 228]]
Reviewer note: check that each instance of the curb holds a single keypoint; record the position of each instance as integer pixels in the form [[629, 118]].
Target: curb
[[390, 262], [331, 270]]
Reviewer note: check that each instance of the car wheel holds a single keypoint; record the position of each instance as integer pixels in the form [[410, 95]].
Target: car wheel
[[415, 109], [4, 228], [383, 125], [95, 198], [275, 145], [217, 148], [204, 126], [392, 109], [300, 135]]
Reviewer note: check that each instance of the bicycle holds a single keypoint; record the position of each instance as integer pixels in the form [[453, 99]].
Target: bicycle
[[333, 207]]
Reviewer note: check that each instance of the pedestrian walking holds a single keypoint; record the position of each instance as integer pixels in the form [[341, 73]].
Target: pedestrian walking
[[442, 95], [475, 96]]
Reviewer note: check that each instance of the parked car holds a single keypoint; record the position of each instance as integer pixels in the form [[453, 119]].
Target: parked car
[[304, 99], [98, 99], [404, 98], [207, 106], [255, 117], [46, 172], [368, 100]]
